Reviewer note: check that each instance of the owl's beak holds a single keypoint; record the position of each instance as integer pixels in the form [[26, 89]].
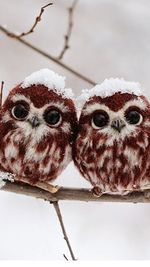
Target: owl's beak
[[118, 124], [35, 121]]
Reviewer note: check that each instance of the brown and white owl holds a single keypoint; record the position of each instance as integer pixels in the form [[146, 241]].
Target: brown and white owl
[[112, 150], [37, 127]]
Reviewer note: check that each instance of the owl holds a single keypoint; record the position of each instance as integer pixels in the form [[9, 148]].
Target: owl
[[112, 149], [37, 128]]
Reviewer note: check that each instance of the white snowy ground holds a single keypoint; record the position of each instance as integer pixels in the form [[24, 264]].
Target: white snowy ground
[[110, 38]]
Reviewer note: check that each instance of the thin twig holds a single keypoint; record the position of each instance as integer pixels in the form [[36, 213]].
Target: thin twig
[[59, 215], [46, 55], [31, 30], [1, 93], [69, 29], [65, 257]]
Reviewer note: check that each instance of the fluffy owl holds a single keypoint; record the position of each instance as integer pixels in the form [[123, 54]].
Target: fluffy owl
[[112, 150], [37, 127]]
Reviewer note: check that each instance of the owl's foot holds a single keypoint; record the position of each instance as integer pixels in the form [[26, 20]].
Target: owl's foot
[[96, 191]]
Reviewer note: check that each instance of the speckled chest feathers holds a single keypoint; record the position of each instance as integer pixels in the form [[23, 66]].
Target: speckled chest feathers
[[37, 129], [112, 150]]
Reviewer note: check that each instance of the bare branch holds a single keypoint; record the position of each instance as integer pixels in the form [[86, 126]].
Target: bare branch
[[69, 29], [76, 194], [59, 215], [46, 55], [65, 257], [31, 30], [1, 93]]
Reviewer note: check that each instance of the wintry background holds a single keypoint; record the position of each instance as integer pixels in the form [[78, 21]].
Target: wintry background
[[110, 39]]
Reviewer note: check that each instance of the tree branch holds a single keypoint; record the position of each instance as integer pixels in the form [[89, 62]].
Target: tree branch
[[52, 58], [48, 56], [69, 29], [31, 30], [1, 93], [76, 194], [58, 212]]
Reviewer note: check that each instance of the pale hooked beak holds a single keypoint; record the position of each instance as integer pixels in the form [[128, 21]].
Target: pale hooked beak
[[34, 121], [118, 124]]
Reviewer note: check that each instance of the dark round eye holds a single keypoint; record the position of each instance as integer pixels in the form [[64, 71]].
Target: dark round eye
[[52, 117], [19, 112], [100, 119], [133, 117]]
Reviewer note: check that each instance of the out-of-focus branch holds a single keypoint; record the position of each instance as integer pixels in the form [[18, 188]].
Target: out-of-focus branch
[[76, 194], [69, 29], [31, 30], [48, 56], [1, 93]]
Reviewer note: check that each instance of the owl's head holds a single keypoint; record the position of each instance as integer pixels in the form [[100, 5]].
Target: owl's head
[[115, 108], [41, 106]]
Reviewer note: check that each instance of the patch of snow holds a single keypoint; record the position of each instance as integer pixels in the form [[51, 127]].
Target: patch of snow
[[49, 79], [108, 88], [2, 183], [6, 176]]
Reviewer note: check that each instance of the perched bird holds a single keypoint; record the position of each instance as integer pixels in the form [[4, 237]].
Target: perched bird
[[112, 150], [38, 125]]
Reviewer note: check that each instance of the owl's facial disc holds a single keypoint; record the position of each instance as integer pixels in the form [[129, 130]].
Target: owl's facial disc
[[27, 112], [118, 124]]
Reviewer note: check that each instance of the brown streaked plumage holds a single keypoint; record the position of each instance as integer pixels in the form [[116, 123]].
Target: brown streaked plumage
[[114, 154], [38, 144]]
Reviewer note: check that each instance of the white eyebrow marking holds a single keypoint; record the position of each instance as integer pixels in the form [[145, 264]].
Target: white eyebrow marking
[[18, 97], [57, 104], [90, 108], [135, 102]]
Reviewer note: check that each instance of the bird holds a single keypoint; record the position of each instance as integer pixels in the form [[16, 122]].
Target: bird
[[38, 125], [112, 148]]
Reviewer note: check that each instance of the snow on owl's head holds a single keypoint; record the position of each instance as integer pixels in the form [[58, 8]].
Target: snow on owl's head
[[115, 108]]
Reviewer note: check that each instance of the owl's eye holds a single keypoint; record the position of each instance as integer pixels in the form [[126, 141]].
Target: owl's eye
[[20, 112], [100, 119], [52, 117], [133, 117]]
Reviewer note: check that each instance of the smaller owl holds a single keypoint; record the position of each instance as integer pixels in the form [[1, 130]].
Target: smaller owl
[[37, 128], [112, 150]]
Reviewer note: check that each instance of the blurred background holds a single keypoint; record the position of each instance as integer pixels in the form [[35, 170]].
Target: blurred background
[[110, 38]]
